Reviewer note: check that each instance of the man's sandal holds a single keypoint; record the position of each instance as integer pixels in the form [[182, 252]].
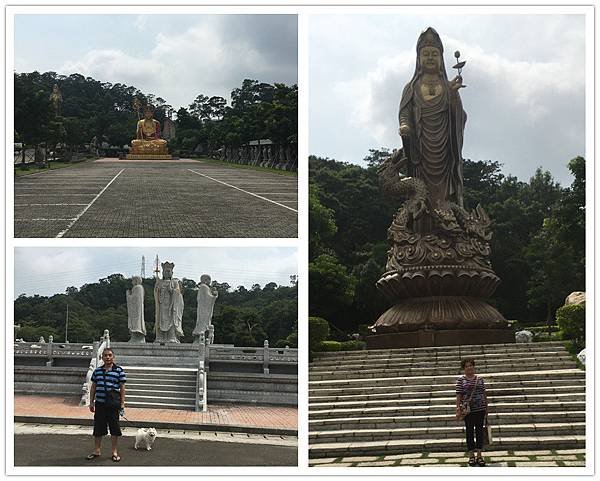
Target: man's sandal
[[92, 456], [472, 461], [116, 458], [480, 461]]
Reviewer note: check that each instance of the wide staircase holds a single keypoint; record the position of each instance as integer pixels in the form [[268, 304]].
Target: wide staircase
[[381, 402]]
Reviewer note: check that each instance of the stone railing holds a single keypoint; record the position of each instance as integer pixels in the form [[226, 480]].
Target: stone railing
[[52, 350], [201, 380], [262, 153], [255, 355]]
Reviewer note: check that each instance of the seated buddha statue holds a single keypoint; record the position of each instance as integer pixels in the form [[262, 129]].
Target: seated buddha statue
[[148, 139]]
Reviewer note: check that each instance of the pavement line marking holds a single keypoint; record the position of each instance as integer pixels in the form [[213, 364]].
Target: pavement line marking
[[245, 191], [29, 205], [276, 193], [62, 194], [42, 219], [62, 233]]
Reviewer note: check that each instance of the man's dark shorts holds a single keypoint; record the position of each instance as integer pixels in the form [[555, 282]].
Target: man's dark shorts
[[106, 417]]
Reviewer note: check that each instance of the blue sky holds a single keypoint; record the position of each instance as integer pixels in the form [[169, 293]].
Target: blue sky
[[176, 57], [525, 77], [46, 270]]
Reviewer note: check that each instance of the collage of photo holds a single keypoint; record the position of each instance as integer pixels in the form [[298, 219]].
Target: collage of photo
[[304, 241]]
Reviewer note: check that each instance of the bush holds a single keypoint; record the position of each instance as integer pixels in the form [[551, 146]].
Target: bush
[[328, 346], [353, 345], [318, 331], [571, 320]]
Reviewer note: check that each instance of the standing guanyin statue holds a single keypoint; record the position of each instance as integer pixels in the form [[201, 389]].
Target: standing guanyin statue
[[438, 273]]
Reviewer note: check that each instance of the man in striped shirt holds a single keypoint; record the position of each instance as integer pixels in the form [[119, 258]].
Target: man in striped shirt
[[107, 401]]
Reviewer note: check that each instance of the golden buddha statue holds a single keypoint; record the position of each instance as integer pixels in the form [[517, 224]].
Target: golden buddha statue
[[148, 141]]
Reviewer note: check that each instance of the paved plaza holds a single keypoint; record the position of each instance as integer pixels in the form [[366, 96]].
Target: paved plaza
[[494, 458], [275, 420], [138, 199], [68, 446]]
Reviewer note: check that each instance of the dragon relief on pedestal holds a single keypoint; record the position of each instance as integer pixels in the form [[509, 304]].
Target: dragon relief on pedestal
[[422, 234]]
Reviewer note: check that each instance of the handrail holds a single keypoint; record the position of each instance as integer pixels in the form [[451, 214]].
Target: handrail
[[95, 362]]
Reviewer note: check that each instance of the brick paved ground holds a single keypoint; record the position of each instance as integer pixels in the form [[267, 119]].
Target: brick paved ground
[[235, 415], [540, 458], [184, 198]]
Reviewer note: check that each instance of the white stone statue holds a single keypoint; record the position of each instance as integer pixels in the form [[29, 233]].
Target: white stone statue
[[168, 301], [524, 336], [581, 357], [135, 311], [206, 302]]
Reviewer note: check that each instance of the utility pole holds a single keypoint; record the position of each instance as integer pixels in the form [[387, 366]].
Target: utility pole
[[67, 326], [143, 272]]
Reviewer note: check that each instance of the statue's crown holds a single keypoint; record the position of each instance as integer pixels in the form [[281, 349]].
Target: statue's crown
[[168, 265], [429, 38], [149, 107]]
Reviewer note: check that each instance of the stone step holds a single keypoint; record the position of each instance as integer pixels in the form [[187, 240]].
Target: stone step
[[508, 430], [450, 400], [162, 397], [403, 446], [494, 393], [448, 360], [437, 370], [444, 409], [421, 420], [160, 405], [462, 351], [161, 386], [447, 379], [160, 391]]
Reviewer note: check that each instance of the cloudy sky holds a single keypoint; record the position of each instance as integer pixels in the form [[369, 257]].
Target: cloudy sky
[[46, 271], [525, 77], [176, 57]]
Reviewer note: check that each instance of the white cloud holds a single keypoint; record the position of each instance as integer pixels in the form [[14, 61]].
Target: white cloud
[[202, 59], [524, 97]]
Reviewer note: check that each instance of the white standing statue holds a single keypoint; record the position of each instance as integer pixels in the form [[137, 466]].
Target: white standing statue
[[135, 311], [206, 302], [168, 301]]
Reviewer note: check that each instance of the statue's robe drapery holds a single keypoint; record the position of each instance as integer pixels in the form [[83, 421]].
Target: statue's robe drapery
[[169, 310], [206, 303], [434, 144], [135, 310]]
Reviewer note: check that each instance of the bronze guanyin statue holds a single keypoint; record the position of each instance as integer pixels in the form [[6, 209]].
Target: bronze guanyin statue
[[438, 272]]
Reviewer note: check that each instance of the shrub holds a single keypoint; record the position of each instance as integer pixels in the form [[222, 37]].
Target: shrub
[[571, 320], [327, 346], [353, 345], [318, 331]]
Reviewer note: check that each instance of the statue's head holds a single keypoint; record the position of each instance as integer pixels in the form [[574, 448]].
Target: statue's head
[[205, 279], [149, 112], [55, 88], [167, 270], [136, 280], [430, 52]]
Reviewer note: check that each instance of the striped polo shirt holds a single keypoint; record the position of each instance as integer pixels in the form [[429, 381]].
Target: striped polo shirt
[[107, 381], [464, 388]]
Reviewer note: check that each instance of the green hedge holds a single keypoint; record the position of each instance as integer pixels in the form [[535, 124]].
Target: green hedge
[[353, 345], [571, 320], [328, 346], [318, 331]]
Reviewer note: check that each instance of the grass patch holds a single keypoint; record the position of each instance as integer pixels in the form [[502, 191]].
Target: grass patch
[[34, 169], [248, 167]]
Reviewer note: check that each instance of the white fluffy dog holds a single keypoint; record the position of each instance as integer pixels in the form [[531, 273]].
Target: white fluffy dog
[[144, 439]]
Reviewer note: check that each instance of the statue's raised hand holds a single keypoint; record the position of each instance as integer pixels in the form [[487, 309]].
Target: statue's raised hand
[[456, 83], [404, 129]]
